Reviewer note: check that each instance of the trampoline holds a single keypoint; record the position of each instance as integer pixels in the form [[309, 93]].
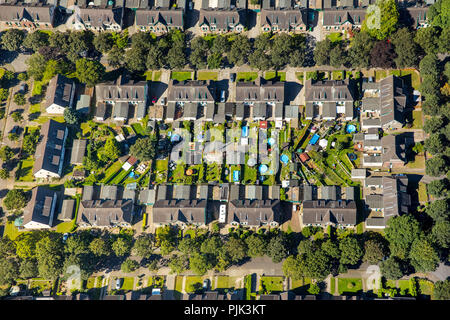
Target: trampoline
[[314, 139], [175, 138], [263, 168], [271, 141], [251, 162], [352, 156], [351, 128], [244, 131], [236, 176], [284, 158]]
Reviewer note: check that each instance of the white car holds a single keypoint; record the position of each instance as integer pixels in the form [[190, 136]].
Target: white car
[[191, 5]]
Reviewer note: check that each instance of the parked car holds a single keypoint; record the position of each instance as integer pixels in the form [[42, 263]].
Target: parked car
[[23, 88], [232, 77], [163, 101], [191, 5], [65, 236], [119, 283], [222, 96], [206, 284]]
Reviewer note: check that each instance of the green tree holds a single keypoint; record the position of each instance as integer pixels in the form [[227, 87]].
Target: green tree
[[360, 48], [240, 50], [121, 247], [338, 56], [441, 289], [235, 249], [36, 66], [256, 246], [4, 94], [436, 166], [115, 57], [331, 249], [176, 57], [178, 263], [28, 269], [438, 188], [50, 253], [314, 288], [110, 151], [391, 268], [129, 266], [155, 58], [200, 263], [423, 256], [381, 23], [374, 251], [276, 249], [382, 55], [317, 265], [322, 52], [143, 246], [199, 52], [30, 142], [100, 247], [89, 71], [439, 14], [293, 267], [7, 248], [103, 42], [351, 252], [12, 39], [9, 268], [4, 174], [401, 231], [438, 210], [435, 143], [214, 60], [35, 40], [6, 153], [405, 48], [212, 245], [135, 59], [144, 148], [71, 116], [441, 233], [427, 38], [433, 124], [220, 45], [19, 99], [15, 199]]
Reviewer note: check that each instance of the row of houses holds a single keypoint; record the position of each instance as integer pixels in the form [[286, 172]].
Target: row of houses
[[162, 16]]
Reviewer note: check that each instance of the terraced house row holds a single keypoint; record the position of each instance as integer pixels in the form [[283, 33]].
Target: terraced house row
[[214, 16]]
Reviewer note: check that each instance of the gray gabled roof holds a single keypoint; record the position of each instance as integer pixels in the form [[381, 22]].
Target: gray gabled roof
[[172, 211], [254, 212], [191, 91], [59, 91], [99, 17], [170, 17], [323, 212], [67, 209], [329, 90], [105, 213], [19, 12], [222, 19], [260, 90], [49, 151], [283, 19], [122, 89], [39, 208], [340, 16], [78, 151]]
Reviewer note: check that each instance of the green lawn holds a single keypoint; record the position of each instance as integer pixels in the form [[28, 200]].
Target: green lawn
[[417, 120], [222, 283], [44, 119], [137, 127], [403, 284], [419, 162], [128, 284], [338, 75], [178, 287], [181, 75], [335, 36], [148, 75], [11, 231], [25, 173], [422, 192], [156, 75], [90, 283], [332, 285], [301, 286], [349, 285], [112, 170], [426, 287], [191, 280], [207, 75], [269, 75], [246, 76], [299, 76], [270, 284], [35, 108]]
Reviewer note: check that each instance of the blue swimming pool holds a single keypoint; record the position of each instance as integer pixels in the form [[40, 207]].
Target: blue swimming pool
[[351, 128], [314, 139]]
